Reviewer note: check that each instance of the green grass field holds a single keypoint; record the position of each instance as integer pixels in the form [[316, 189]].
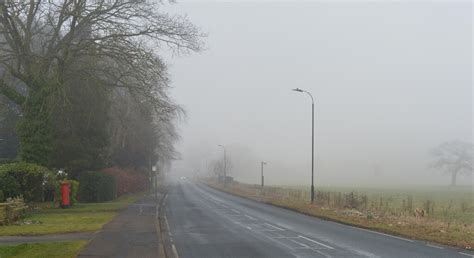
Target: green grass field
[[449, 204], [80, 218], [53, 249]]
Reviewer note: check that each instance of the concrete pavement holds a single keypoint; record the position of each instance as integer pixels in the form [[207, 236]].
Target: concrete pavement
[[132, 233]]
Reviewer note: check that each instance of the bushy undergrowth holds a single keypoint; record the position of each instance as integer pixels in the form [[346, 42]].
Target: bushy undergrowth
[[24, 179]]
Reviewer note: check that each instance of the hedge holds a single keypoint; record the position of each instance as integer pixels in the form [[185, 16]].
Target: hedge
[[25, 179], [96, 187], [128, 180]]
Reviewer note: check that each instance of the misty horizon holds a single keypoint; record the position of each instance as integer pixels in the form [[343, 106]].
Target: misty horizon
[[387, 90]]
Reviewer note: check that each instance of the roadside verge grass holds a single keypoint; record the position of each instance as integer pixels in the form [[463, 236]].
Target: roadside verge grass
[[82, 217], [52, 249]]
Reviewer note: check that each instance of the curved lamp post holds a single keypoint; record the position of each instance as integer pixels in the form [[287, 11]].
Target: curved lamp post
[[312, 140]]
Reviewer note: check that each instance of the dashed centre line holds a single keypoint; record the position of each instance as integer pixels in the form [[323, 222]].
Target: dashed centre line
[[301, 244], [250, 217], [314, 241], [275, 227]]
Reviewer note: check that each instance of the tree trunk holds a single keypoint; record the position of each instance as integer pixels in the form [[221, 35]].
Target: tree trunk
[[453, 178]]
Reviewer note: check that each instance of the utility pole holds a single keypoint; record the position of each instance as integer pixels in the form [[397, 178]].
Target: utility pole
[[225, 164], [263, 163]]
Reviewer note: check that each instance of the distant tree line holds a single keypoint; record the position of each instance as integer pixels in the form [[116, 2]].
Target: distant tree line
[[82, 85]]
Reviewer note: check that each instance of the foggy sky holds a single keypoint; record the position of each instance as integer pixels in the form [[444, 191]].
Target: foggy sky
[[391, 80]]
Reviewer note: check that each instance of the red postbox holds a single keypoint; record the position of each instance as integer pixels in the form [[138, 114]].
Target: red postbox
[[65, 202]]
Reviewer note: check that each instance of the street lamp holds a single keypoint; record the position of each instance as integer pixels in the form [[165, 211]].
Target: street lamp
[[312, 141], [225, 164], [263, 163]]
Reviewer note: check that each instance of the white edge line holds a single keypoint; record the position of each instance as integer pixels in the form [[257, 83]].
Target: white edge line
[[383, 234], [435, 246], [274, 226], [467, 254], [314, 241], [249, 227], [234, 210], [175, 252]]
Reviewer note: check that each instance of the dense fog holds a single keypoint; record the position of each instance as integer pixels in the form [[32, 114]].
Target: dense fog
[[387, 89]]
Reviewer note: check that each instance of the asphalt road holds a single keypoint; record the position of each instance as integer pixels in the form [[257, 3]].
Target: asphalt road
[[208, 223]]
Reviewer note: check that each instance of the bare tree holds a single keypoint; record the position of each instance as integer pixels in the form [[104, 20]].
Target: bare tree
[[41, 40], [47, 43], [454, 157], [217, 166]]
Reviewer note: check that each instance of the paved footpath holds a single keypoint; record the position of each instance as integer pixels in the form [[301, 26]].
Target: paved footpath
[[132, 233]]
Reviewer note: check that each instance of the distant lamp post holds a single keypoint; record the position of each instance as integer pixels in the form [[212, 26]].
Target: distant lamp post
[[225, 164], [263, 163], [312, 140]]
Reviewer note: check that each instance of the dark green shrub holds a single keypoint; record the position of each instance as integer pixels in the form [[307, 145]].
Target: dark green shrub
[[25, 179], [74, 191], [2, 197], [96, 187], [49, 183], [10, 187], [6, 161]]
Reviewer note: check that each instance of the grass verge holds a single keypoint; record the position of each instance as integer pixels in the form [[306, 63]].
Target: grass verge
[[409, 227], [53, 249], [82, 217]]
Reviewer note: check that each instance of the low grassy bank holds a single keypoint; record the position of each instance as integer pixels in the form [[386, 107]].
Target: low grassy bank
[[432, 229], [83, 217], [53, 249]]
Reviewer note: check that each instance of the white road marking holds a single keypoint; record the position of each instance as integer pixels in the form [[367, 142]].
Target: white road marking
[[236, 211], [301, 244], [168, 227], [173, 249], [435, 246], [383, 234], [316, 242], [270, 225], [249, 227], [250, 217], [470, 255]]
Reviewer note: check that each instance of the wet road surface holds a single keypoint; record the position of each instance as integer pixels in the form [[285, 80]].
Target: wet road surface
[[208, 223]]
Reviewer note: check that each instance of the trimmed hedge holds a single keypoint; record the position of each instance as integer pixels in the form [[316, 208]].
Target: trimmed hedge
[[96, 187], [25, 179], [128, 180]]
